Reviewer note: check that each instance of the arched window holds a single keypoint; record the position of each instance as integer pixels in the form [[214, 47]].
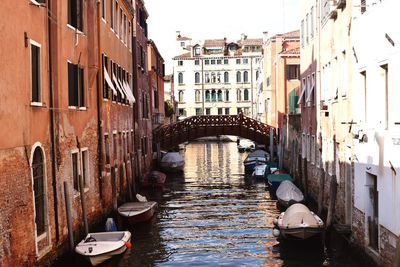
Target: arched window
[[257, 74], [180, 96], [219, 95], [207, 77], [238, 95], [218, 77], [213, 78], [238, 77], [226, 95], [246, 94], [197, 96], [226, 77], [180, 78], [38, 188], [213, 95], [245, 77], [197, 77], [207, 95]]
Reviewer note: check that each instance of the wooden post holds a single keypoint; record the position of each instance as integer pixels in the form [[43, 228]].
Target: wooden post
[[305, 178], [84, 215], [114, 188], [321, 189], [332, 201], [68, 213], [397, 259], [271, 143]]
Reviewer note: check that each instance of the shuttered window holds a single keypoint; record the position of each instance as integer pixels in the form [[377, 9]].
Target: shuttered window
[[38, 188]]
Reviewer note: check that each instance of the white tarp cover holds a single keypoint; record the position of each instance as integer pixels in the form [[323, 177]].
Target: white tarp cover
[[288, 191], [118, 86], [172, 157], [129, 91], [298, 215]]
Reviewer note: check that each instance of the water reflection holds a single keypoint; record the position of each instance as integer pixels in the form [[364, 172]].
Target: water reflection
[[212, 215]]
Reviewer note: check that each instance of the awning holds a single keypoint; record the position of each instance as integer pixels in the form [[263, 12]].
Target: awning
[[129, 91], [128, 96], [109, 82], [301, 95], [118, 86]]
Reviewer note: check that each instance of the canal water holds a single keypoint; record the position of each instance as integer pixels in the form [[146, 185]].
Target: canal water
[[213, 215]]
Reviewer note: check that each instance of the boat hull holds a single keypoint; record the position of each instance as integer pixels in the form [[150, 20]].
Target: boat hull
[[301, 232], [134, 214], [96, 260], [154, 179]]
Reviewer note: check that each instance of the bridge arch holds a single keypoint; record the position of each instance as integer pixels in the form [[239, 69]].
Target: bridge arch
[[189, 129]]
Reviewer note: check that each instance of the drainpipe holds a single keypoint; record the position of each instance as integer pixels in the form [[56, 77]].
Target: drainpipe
[[52, 134], [99, 128]]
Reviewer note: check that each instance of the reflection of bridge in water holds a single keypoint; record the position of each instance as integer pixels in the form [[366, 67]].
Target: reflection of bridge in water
[[171, 135]]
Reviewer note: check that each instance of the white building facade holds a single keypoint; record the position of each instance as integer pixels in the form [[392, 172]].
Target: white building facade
[[216, 77]]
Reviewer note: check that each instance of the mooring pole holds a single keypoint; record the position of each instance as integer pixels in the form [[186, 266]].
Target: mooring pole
[[68, 213], [271, 143], [83, 204]]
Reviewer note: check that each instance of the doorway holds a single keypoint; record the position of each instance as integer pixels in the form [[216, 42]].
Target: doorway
[[372, 211]]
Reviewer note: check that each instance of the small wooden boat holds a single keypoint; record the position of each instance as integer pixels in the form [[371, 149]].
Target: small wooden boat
[[136, 212], [99, 247], [245, 145], [172, 162], [153, 179], [298, 222], [255, 158], [259, 171], [274, 180], [288, 193]]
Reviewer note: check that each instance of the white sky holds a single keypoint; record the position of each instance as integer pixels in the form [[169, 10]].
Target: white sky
[[216, 19]]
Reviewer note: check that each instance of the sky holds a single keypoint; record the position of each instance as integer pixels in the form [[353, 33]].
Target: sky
[[216, 19]]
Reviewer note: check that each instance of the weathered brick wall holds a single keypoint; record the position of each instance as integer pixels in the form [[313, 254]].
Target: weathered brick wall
[[387, 247]]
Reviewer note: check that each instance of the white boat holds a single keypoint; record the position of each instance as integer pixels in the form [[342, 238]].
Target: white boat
[[259, 171], [136, 212], [246, 145], [288, 193], [99, 247], [299, 222], [255, 158], [172, 162]]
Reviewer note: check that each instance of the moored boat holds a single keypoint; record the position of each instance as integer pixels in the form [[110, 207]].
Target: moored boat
[[245, 145], [99, 247], [136, 212], [274, 180], [298, 222], [255, 158], [259, 171], [172, 162], [288, 193], [153, 179]]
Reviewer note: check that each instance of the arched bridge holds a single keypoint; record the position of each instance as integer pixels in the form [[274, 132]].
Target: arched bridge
[[171, 135]]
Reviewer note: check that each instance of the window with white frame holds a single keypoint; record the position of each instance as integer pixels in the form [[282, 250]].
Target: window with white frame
[[197, 77], [180, 62], [76, 88], [80, 166], [196, 62], [226, 77], [38, 176], [35, 73], [75, 14], [180, 78]]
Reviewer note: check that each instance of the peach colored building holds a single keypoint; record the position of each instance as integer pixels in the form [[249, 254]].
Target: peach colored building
[[143, 126], [156, 70]]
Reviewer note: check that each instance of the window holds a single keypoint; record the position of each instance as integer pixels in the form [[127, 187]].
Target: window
[[129, 35], [180, 78], [35, 73], [226, 61], [246, 95], [207, 77], [257, 74], [106, 89], [197, 51], [238, 77], [208, 96], [107, 149], [219, 62], [245, 77], [85, 167], [239, 110], [226, 77], [364, 87], [219, 95], [111, 13], [116, 18], [213, 95], [197, 96], [38, 172], [293, 72], [197, 77], [226, 111], [213, 78], [385, 82], [207, 62], [180, 94], [103, 9], [302, 33], [245, 61], [121, 26], [76, 90], [180, 62], [212, 61], [226, 95], [238, 61], [306, 28], [75, 14], [199, 112], [239, 95], [182, 44], [220, 111], [208, 111], [75, 170], [312, 22], [182, 112], [363, 6], [197, 62]]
